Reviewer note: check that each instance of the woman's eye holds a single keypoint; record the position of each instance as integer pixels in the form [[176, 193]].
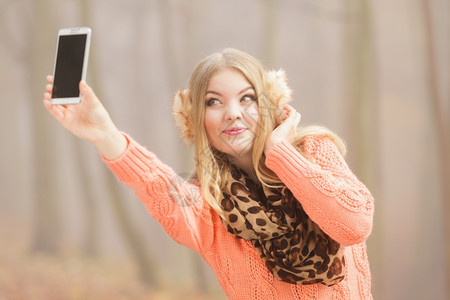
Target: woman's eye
[[248, 98], [212, 101]]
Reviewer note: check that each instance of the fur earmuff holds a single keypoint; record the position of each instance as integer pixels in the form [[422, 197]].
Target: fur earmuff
[[182, 108], [278, 91]]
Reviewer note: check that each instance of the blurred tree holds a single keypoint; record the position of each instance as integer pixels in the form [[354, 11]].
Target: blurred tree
[[169, 49], [359, 92], [134, 242], [269, 17], [175, 81], [362, 111], [47, 220], [442, 123], [90, 245]]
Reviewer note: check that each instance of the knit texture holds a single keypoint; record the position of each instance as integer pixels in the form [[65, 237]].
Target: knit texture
[[328, 191]]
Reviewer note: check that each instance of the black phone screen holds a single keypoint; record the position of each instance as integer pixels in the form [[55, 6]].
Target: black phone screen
[[69, 65]]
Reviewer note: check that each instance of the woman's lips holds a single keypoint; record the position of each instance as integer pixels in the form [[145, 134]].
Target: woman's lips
[[235, 130]]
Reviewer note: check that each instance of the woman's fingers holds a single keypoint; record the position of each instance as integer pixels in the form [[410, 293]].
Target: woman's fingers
[[49, 88], [285, 113], [291, 114], [55, 110], [298, 118], [47, 95], [286, 130]]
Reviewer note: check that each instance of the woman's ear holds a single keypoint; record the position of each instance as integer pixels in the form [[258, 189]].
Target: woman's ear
[[278, 92], [182, 108]]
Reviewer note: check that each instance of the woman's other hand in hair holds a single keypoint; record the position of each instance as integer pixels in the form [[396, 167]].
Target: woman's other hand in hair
[[286, 131]]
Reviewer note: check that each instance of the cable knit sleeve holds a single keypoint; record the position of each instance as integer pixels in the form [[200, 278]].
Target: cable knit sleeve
[[329, 192], [177, 205]]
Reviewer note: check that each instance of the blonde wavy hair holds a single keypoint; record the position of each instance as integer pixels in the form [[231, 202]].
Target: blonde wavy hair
[[272, 92]]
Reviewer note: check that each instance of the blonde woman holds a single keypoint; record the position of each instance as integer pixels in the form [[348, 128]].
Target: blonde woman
[[273, 208]]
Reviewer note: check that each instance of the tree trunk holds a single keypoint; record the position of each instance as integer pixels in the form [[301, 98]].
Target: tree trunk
[[174, 83], [47, 219], [269, 18], [90, 246], [147, 269], [442, 125], [362, 110], [135, 244]]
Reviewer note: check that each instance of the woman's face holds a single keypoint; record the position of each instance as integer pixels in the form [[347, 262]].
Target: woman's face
[[231, 112]]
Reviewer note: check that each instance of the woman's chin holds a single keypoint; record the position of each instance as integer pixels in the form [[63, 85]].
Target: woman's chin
[[237, 150]]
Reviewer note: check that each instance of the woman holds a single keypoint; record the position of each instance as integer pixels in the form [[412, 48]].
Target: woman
[[273, 209]]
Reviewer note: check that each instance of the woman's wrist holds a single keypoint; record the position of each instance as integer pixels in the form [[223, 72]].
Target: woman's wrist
[[267, 148], [111, 145], [269, 145]]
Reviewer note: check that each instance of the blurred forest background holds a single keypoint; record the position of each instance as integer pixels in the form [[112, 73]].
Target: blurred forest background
[[376, 72]]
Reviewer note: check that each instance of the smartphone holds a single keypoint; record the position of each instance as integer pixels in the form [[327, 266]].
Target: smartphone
[[71, 60]]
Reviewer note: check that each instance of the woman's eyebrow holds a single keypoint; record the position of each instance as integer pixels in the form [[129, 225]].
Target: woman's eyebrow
[[241, 92], [246, 89], [213, 92]]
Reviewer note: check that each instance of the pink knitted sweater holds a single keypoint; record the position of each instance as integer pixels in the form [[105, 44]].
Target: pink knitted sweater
[[329, 192]]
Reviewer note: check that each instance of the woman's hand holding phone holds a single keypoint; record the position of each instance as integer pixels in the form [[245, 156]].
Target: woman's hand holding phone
[[88, 120]]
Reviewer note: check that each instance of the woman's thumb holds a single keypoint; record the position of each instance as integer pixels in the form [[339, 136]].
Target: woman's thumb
[[86, 91]]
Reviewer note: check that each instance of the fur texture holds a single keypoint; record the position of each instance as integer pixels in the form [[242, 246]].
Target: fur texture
[[278, 91], [182, 107]]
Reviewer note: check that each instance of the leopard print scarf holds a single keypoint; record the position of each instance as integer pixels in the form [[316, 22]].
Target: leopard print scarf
[[293, 247]]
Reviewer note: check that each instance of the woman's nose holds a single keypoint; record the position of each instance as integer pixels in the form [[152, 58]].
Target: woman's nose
[[233, 112]]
